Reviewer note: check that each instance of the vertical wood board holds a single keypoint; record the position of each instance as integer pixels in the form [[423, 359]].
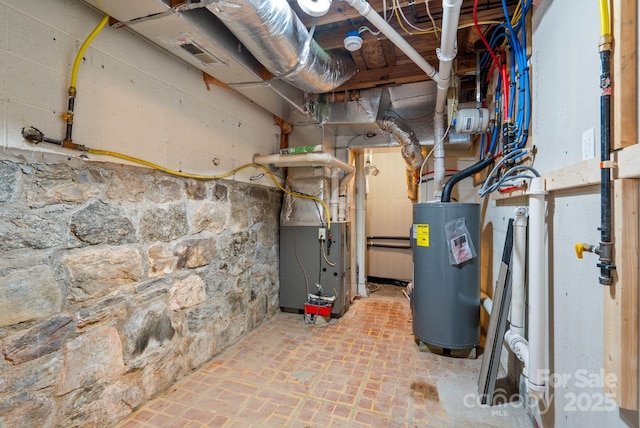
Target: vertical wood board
[[624, 74], [621, 299]]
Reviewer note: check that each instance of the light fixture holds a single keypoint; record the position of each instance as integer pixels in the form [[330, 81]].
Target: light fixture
[[315, 7], [353, 41]]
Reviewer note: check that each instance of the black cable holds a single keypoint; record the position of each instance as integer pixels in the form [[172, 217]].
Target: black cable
[[467, 172]]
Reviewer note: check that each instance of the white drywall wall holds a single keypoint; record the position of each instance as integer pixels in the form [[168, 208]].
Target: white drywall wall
[[132, 97], [389, 213], [565, 66]]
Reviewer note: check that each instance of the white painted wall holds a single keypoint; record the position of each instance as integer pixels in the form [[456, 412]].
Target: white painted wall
[[566, 68], [132, 97], [389, 213]]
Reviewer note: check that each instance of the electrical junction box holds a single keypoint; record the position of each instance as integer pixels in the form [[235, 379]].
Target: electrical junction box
[[322, 234], [589, 144]]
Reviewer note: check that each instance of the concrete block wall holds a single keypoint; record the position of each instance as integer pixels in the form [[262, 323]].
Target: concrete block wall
[[132, 97]]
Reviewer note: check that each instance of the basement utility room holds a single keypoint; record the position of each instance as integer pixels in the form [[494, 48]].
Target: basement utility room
[[319, 213]]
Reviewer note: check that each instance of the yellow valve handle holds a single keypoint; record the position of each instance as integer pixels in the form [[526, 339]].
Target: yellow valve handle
[[579, 250]]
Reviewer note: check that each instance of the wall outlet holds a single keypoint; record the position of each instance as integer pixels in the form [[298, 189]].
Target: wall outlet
[[589, 144], [322, 234]]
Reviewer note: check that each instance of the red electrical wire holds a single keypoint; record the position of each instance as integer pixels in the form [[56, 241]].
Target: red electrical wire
[[486, 43], [446, 170], [505, 91], [510, 189], [496, 61]]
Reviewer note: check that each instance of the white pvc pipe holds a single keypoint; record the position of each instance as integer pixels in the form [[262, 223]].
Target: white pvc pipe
[[360, 231], [536, 323], [518, 271], [520, 347], [439, 168], [446, 54], [342, 195], [364, 8], [335, 191], [303, 159], [487, 303], [447, 51]]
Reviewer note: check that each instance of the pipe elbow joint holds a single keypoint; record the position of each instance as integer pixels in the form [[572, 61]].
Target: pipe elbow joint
[[361, 6], [536, 391]]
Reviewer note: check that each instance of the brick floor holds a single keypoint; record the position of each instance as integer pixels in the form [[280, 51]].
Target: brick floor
[[363, 370]]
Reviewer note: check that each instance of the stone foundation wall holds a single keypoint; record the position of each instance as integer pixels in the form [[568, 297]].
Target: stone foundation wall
[[115, 281]]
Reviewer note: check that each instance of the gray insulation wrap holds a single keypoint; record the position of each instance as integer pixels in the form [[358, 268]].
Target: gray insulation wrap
[[272, 32], [411, 149]]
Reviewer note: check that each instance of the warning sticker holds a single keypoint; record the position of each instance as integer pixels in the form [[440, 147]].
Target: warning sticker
[[422, 235]]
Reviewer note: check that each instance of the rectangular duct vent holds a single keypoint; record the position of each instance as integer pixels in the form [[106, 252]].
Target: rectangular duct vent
[[187, 44], [199, 53]]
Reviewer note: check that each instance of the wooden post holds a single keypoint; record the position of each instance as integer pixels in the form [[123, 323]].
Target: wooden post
[[624, 77], [621, 299], [285, 129]]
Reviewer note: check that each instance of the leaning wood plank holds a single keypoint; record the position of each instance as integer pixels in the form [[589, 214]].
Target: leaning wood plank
[[625, 75], [621, 299]]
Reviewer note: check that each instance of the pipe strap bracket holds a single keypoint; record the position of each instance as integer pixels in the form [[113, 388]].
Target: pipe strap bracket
[[446, 58], [608, 164]]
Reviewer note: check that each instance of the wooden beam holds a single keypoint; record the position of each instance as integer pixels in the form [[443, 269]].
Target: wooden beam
[[389, 52], [587, 173], [405, 71], [332, 37], [358, 59], [621, 299], [285, 129], [624, 77], [209, 79]]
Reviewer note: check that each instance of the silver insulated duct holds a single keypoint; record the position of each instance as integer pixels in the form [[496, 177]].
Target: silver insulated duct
[[410, 149], [272, 32]]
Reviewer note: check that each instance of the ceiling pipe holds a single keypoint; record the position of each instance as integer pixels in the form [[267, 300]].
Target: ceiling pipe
[[276, 37], [446, 54], [303, 159]]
